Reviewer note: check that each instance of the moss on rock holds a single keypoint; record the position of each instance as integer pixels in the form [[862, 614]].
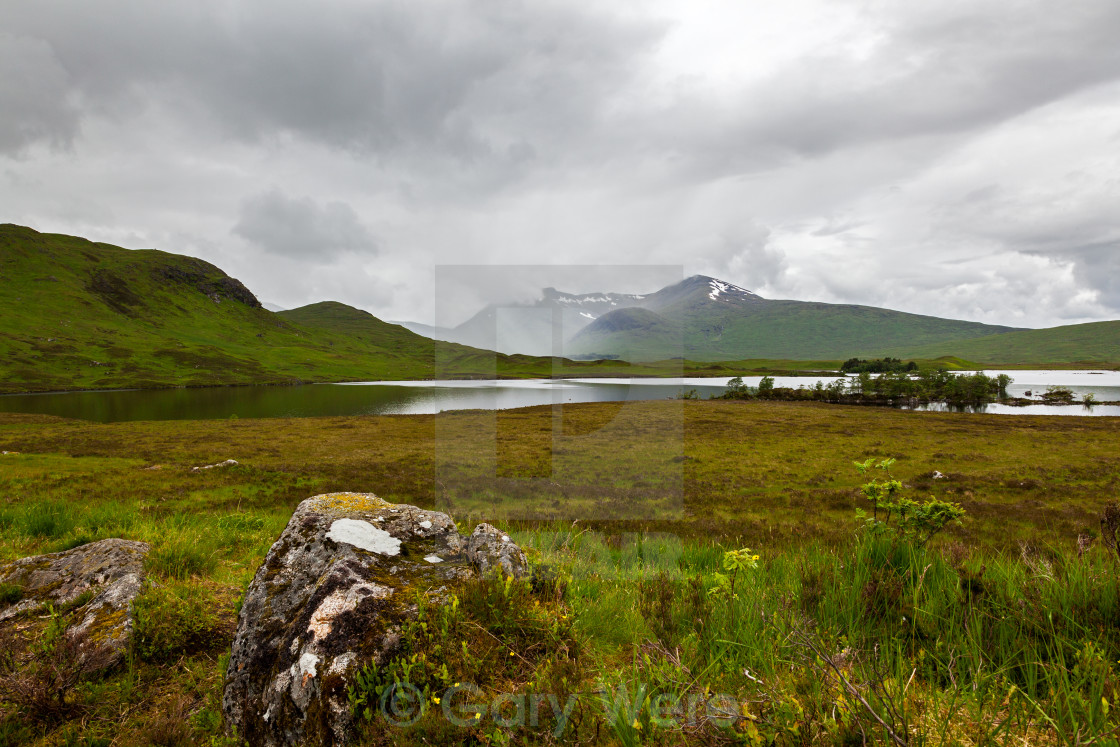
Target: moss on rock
[[332, 595], [96, 583]]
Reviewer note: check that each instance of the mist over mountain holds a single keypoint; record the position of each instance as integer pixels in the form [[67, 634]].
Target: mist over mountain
[[699, 318]]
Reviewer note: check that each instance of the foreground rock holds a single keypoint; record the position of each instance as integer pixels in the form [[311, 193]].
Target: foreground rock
[[329, 599], [492, 550], [101, 578]]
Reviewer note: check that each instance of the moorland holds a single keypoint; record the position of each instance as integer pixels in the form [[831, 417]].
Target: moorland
[[705, 556]]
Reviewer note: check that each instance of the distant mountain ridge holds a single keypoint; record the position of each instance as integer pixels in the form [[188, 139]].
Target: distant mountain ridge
[[533, 328], [701, 318]]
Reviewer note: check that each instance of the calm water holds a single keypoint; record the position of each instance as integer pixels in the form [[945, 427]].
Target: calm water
[[415, 397]]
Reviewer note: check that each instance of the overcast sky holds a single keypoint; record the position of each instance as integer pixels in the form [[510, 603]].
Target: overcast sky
[[954, 158]]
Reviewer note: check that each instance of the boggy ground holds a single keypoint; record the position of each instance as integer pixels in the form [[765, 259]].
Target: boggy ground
[[1001, 630]]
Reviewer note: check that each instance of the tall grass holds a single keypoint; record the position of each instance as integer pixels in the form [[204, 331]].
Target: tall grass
[[876, 637]]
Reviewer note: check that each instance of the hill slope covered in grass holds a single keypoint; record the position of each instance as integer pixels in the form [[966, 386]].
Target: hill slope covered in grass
[[708, 319], [83, 315], [1092, 344], [448, 359], [702, 318]]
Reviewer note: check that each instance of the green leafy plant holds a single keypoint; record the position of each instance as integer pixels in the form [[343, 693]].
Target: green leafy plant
[[915, 521], [1057, 394], [175, 619], [736, 389], [735, 562]]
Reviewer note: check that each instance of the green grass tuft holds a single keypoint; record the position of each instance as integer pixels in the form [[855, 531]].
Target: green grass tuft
[[10, 593], [177, 619]]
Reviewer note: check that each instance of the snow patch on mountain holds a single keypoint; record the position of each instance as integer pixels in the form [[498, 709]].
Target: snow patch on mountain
[[609, 298], [718, 287]]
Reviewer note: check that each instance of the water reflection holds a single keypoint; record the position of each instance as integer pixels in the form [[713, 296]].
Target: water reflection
[[420, 397]]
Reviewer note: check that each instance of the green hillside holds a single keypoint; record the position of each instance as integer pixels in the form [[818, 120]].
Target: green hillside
[[78, 314], [447, 359], [83, 315], [774, 329], [1093, 344]]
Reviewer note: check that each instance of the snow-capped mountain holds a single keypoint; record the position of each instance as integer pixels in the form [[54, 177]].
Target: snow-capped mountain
[[700, 318]]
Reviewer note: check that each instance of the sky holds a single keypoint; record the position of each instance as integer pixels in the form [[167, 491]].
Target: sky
[[959, 158]]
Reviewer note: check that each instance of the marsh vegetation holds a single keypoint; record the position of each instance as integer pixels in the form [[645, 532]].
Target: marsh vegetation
[[649, 607]]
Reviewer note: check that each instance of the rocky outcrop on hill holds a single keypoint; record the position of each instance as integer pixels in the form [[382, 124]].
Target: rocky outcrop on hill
[[330, 598], [95, 583], [207, 279]]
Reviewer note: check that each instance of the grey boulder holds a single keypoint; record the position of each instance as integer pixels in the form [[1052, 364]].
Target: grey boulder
[[330, 598], [110, 572]]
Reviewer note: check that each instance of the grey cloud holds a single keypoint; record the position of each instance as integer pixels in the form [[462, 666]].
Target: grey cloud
[[1097, 266], [486, 80], [1055, 222], [302, 228], [34, 91], [939, 70], [557, 130], [746, 255]]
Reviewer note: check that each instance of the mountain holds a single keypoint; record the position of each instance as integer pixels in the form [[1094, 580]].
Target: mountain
[[425, 330], [718, 321], [75, 314], [529, 329], [703, 319], [79, 314]]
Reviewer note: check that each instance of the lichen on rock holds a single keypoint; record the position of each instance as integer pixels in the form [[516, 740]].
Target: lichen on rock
[[110, 572], [330, 597], [490, 549]]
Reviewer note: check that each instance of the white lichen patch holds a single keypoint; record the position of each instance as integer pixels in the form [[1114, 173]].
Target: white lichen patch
[[426, 524], [364, 535], [307, 664], [433, 559], [342, 663], [341, 601]]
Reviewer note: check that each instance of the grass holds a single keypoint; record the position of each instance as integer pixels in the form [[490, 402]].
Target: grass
[[1003, 630], [786, 329], [1085, 345]]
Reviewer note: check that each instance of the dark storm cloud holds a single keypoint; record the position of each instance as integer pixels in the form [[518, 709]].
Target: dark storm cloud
[[303, 229], [474, 80]]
